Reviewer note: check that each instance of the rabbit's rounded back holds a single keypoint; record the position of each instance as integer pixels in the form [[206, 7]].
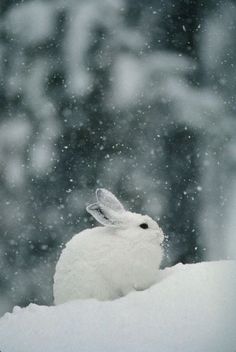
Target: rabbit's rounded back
[[110, 261]]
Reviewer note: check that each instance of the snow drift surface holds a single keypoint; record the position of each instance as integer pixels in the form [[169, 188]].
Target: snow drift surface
[[192, 309]]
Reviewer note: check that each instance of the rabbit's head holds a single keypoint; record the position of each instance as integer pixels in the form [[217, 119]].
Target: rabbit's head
[[110, 212]]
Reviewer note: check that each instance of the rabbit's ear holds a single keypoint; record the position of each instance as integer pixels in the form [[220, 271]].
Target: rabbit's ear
[[108, 200], [102, 214]]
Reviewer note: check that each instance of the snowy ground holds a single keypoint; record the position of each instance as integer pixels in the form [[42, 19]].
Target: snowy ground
[[191, 309]]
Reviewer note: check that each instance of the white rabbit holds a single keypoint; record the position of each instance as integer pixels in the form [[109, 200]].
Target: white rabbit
[[108, 262]]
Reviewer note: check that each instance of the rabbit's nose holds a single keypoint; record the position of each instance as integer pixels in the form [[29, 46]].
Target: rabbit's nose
[[160, 236]]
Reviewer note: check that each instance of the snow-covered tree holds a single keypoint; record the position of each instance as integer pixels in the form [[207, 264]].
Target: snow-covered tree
[[218, 55]]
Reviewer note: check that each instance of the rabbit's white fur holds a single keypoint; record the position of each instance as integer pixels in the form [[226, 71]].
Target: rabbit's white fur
[[108, 262]]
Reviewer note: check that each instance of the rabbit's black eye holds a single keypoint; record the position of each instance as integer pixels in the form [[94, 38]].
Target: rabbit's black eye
[[144, 226]]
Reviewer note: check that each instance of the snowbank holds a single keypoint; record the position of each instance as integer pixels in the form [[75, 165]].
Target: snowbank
[[192, 309]]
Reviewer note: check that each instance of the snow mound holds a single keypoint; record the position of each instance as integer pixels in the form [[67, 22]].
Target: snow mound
[[192, 309]]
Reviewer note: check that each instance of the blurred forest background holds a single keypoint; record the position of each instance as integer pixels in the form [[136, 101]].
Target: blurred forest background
[[134, 96]]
